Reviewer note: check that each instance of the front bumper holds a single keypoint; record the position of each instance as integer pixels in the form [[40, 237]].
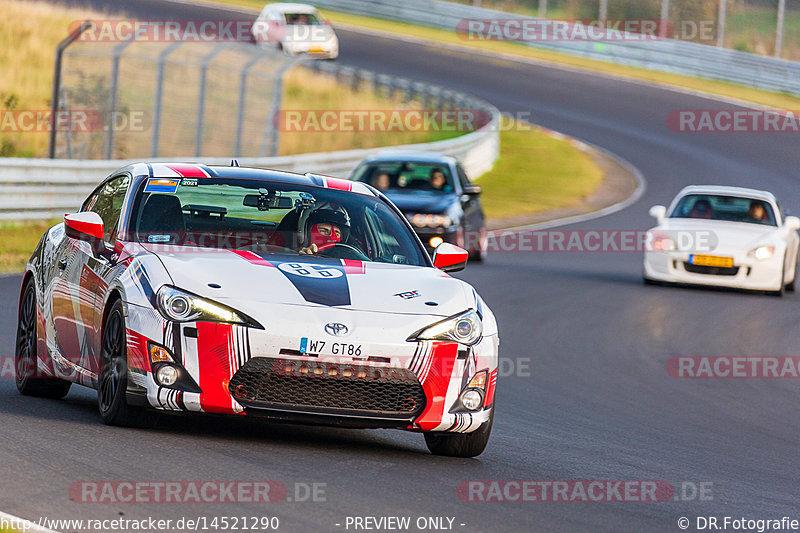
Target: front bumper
[[747, 273], [416, 388]]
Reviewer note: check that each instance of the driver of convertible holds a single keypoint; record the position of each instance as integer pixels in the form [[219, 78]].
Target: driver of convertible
[[324, 228]]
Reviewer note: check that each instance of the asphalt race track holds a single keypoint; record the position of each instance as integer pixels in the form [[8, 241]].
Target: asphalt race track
[[597, 402]]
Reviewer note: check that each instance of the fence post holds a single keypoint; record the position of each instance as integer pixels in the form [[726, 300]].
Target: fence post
[[69, 39], [237, 148], [779, 29], [723, 11], [542, 9], [271, 129], [162, 59], [663, 24], [201, 99], [112, 97]]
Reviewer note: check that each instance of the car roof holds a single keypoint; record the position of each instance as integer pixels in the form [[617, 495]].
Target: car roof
[[728, 191], [419, 156], [194, 170], [293, 8]]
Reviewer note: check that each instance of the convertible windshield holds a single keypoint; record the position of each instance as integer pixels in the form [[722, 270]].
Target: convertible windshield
[[272, 217], [722, 207], [406, 176]]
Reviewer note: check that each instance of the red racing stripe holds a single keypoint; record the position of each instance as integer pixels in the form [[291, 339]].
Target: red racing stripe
[[253, 258], [353, 266], [337, 183], [214, 344], [137, 351], [188, 171], [490, 389], [436, 382]]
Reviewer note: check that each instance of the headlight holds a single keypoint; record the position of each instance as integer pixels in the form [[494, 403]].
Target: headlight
[[181, 306], [762, 252], [663, 244], [466, 328], [431, 221]]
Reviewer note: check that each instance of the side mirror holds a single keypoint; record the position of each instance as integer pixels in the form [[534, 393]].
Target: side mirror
[[86, 226], [793, 223], [449, 257], [658, 212], [472, 190]]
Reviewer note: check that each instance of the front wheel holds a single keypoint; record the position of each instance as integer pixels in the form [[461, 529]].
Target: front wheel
[[30, 381], [113, 381], [790, 287], [460, 444]]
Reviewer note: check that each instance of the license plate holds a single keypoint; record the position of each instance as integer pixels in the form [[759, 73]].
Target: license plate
[[711, 261], [316, 51], [326, 347]]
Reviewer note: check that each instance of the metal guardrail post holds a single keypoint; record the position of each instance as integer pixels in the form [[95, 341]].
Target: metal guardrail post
[[162, 59], [112, 97], [68, 40], [271, 129], [201, 99], [237, 147]]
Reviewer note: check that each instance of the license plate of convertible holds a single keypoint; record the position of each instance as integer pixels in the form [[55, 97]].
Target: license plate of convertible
[[711, 261]]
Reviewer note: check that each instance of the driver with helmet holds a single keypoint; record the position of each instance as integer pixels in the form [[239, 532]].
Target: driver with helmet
[[325, 228]]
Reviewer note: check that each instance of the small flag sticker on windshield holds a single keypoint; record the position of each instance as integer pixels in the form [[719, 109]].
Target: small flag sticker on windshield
[[162, 185]]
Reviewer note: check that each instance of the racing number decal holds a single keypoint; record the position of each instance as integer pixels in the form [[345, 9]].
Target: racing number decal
[[309, 270]]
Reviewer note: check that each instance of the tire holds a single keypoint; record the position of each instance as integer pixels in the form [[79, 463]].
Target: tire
[[791, 286], [479, 255], [30, 381], [460, 444], [113, 380], [779, 292]]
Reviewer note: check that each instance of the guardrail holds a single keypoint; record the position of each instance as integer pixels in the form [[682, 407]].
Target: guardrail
[[45, 188], [668, 55]]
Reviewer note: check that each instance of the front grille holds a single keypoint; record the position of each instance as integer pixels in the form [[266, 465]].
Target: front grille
[[712, 271], [328, 388]]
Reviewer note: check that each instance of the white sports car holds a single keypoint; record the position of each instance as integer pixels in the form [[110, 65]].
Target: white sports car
[[228, 290], [296, 29], [723, 236]]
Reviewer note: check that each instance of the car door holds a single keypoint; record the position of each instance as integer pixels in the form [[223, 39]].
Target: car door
[[79, 282], [473, 210]]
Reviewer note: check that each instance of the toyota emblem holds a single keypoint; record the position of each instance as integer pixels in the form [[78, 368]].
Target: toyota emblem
[[336, 329]]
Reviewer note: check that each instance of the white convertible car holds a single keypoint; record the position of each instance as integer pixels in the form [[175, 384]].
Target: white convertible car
[[296, 29], [723, 236]]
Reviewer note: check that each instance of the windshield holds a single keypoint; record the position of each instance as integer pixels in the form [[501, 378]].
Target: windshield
[[406, 176], [722, 207], [267, 217], [302, 19]]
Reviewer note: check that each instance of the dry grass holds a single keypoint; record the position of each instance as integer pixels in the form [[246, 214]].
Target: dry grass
[[31, 32], [17, 241], [306, 90], [33, 29]]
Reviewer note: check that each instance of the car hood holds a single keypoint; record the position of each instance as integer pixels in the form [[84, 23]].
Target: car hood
[[723, 236], [421, 202], [247, 280], [308, 33]]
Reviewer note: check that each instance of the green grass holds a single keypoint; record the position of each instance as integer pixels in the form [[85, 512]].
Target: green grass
[[537, 172], [17, 241], [758, 96]]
